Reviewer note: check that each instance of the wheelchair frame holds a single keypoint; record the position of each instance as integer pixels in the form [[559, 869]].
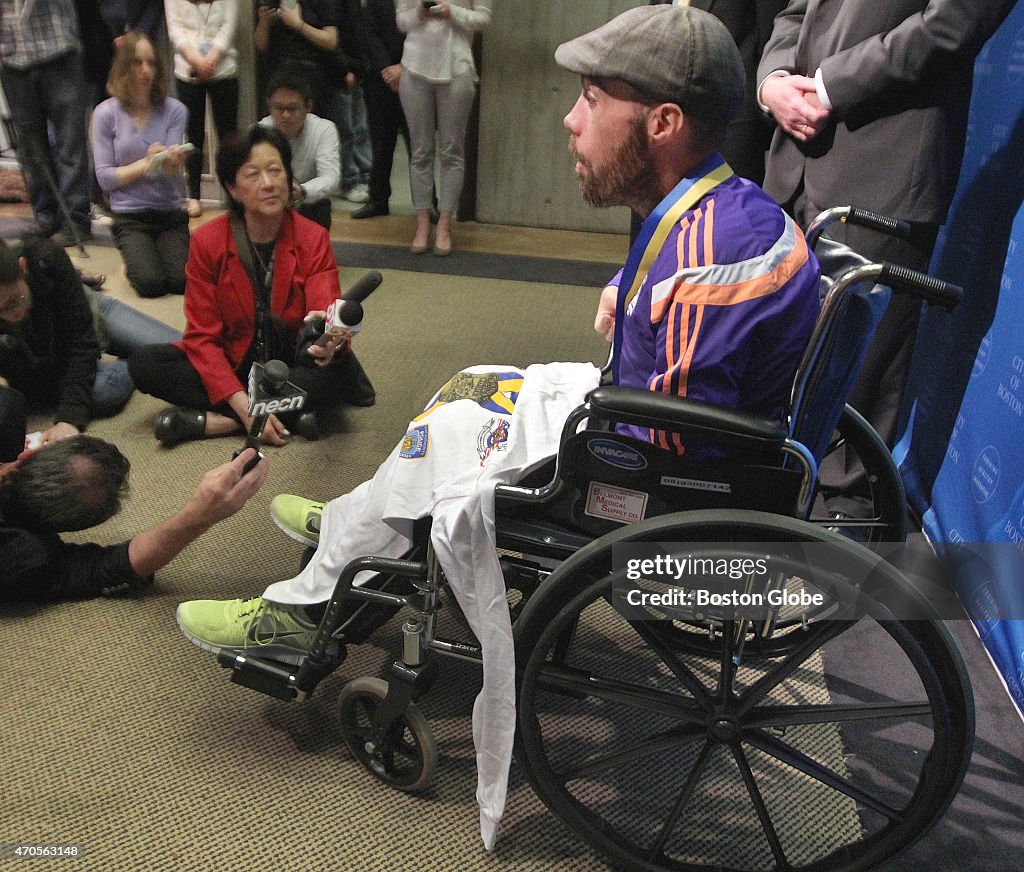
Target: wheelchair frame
[[731, 709]]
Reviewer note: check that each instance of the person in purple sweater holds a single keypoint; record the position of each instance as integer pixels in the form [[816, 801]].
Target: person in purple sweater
[[137, 149]]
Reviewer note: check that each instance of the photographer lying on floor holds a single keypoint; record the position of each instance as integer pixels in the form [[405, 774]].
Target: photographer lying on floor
[[77, 483]]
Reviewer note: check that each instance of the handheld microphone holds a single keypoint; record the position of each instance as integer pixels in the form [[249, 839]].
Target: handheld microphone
[[364, 287], [346, 314], [275, 376], [349, 312], [270, 393]]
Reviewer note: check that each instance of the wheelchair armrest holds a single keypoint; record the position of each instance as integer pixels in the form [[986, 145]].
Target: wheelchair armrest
[[662, 412]]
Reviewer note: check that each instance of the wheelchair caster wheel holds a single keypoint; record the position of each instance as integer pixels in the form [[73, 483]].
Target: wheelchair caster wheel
[[404, 757]]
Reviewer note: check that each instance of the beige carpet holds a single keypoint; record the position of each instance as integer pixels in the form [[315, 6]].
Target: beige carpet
[[120, 736]]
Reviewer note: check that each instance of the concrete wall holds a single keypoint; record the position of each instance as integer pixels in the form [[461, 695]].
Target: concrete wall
[[525, 174]]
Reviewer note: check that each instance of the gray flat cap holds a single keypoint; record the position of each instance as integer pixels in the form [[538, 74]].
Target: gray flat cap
[[675, 54]]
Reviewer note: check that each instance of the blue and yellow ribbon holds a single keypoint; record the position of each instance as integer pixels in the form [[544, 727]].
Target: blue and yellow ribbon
[[655, 230]]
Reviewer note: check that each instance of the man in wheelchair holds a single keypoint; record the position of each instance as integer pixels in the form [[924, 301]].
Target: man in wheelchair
[[716, 302]]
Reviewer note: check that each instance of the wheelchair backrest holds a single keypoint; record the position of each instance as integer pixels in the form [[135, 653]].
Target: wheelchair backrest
[[835, 353], [623, 480]]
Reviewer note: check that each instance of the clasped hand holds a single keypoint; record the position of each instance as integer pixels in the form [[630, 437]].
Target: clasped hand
[[438, 10], [795, 105], [335, 342]]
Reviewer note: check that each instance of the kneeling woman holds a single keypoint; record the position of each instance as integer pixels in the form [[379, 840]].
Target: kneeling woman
[[136, 145], [291, 275]]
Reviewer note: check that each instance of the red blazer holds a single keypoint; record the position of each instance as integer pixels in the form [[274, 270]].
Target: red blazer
[[220, 308]]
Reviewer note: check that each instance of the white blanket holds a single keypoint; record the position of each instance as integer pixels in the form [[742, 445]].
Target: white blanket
[[489, 424]]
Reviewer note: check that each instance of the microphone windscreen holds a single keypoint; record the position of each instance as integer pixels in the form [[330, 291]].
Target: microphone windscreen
[[351, 313], [275, 374]]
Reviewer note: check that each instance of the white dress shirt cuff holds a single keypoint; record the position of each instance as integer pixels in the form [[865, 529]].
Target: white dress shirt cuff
[[819, 86], [760, 85]]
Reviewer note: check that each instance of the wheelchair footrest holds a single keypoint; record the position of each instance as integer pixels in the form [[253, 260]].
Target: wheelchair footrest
[[273, 678]]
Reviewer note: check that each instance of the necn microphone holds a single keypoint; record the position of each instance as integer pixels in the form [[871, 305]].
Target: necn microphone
[[270, 393]]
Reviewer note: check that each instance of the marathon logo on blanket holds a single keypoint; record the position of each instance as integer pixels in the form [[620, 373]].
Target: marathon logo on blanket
[[493, 437], [616, 454], [414, 443], [493, 391]]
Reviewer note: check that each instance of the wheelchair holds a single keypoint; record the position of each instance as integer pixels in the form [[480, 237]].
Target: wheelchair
[[682, 737]]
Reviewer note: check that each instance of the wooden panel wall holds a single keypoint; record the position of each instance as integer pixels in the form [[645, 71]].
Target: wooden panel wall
[[525, 174]]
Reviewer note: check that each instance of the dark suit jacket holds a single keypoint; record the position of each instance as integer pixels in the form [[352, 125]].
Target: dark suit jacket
[[384, 41], [750, 24], [898, 75], [350, 54]]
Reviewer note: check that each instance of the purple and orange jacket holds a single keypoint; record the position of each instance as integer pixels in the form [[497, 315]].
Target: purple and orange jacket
[[726, 309]]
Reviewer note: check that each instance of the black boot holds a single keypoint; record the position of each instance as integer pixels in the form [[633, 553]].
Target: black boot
[[371, 210], [175, 424]]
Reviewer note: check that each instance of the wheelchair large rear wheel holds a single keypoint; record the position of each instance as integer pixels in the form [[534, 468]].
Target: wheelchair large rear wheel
[[669, 760]]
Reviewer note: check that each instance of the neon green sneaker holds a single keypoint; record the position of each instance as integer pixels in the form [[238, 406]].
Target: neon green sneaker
[[272, 630], [298, 517]]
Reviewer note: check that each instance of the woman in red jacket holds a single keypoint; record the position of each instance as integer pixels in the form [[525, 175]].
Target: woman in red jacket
[[291, 279]]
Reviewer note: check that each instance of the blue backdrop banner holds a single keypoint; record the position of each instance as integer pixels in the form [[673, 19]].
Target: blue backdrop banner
[[962, 450]]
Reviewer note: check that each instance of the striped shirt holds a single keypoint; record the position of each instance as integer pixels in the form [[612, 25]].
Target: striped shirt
[[33, 32], [726, 309]]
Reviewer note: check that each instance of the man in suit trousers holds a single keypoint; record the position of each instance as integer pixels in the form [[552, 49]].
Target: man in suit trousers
[[383, 57], [871, 104], [750, 24]]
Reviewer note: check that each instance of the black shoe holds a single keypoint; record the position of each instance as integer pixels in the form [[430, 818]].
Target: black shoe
[[852, 527], [307, 426], [361, 393], [174, 425], [126, 588], [371, 210], [363, 399], [92, 280], [66, 236]]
